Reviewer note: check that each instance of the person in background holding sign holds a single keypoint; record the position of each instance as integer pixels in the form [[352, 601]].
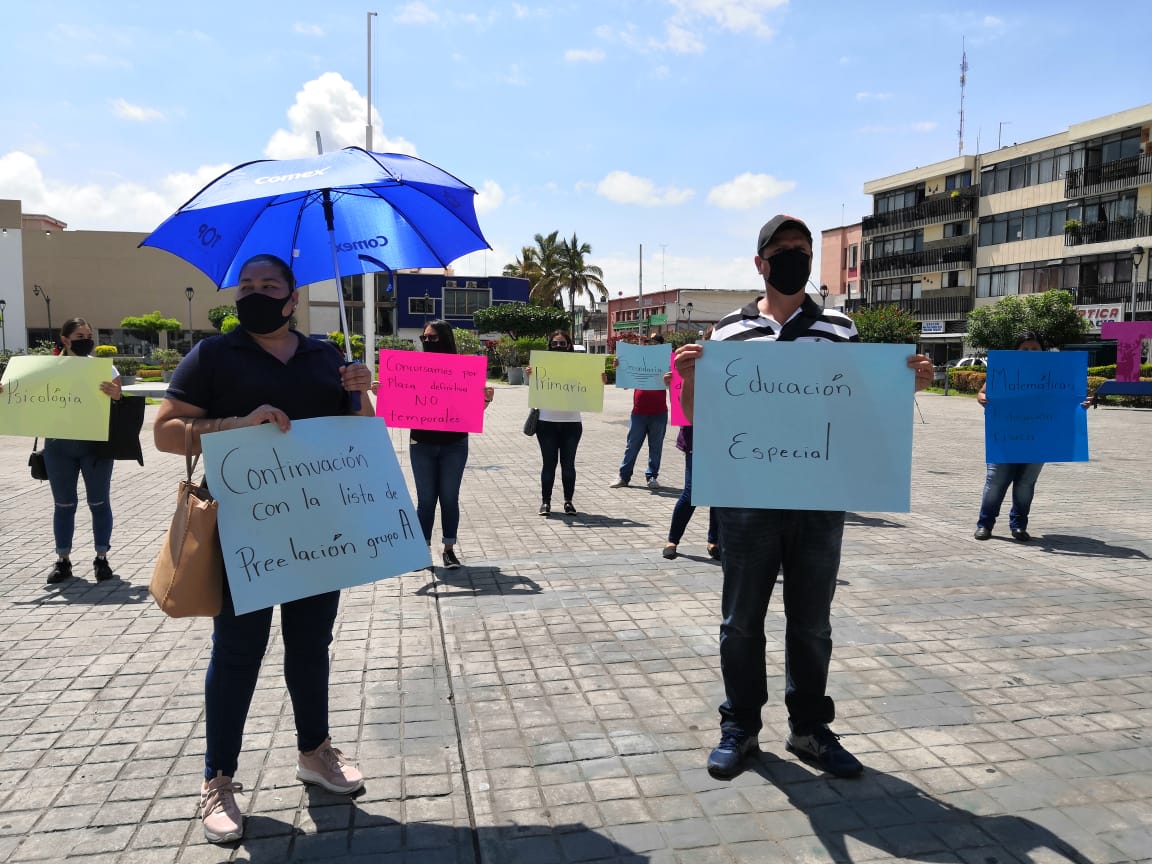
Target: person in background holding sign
[[558, 434], [759, 543], [67, 460], [1022, 476], [263, 372], [649, 420], [438, 459]]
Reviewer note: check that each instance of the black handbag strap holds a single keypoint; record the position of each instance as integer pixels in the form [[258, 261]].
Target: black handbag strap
[[34, 443], [189, 462]]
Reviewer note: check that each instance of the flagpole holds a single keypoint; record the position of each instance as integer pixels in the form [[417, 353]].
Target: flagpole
[[368, 280]]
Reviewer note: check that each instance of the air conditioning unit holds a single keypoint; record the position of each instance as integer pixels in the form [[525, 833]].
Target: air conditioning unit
[[470, 284], [449, 283]]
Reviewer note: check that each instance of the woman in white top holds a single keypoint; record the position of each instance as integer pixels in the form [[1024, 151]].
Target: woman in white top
[[558, 433]]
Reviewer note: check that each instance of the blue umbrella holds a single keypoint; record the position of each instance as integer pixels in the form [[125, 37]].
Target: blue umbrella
[[337, 214]]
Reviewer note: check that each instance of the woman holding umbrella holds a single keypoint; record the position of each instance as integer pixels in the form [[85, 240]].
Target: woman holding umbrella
[[263, 372]]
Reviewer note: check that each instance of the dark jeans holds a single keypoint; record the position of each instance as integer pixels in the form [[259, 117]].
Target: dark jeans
[[1023, 477], [758, 545], [641, 426], [65, 462], [438, 470], [238, 645], [558, 442], [682, 512]]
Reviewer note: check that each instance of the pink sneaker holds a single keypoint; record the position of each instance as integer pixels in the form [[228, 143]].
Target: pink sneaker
[[219, 812], [326, 766]]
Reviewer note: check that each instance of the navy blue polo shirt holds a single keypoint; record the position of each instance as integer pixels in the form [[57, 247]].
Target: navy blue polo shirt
[[231, 376]]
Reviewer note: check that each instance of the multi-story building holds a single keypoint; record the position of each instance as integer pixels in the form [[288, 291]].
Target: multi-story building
[[1069, 211], [840, 255], [673, 310]]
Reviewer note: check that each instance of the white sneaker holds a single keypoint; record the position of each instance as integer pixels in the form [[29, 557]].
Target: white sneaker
[[617, 483], [652, 484]]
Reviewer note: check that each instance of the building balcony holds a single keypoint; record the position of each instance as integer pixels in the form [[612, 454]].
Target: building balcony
[[1113, 292], [943, 207], [1109, 177], [955, 253], [921, 308], [1106, 232]]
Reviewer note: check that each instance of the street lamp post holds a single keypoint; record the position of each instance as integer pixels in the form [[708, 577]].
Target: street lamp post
[[427, 300], [189, 292], [686, 311], [1137, 257], [3, 335], [823, 296], [39, 292]]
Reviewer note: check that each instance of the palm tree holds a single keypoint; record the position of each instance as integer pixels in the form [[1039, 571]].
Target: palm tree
[[524, 266], [577, 277], [547, 256]]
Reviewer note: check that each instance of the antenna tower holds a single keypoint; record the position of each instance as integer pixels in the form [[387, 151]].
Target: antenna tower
[[963, 82]]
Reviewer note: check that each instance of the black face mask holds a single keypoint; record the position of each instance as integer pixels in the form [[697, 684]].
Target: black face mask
[[82, 347], [260, 314], [440, 346], [789, 271]]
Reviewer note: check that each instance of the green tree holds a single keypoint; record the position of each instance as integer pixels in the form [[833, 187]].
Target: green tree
[[337, 339], [230, 323], [545, 291], [576, 276], [218, 314], [1051, 315], [394, 343], [520, 319], [148, 326], [890, 325], [524, 266]]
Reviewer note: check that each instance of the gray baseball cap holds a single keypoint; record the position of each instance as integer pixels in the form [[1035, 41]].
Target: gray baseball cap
[[775, 224]]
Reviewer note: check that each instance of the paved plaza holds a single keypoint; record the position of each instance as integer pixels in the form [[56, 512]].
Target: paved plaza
[[555, 700]]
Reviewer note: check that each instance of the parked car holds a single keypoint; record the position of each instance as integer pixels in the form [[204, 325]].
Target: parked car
[[966, 362]]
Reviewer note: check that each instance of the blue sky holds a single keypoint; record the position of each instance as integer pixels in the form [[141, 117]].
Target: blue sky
[[681, 125]]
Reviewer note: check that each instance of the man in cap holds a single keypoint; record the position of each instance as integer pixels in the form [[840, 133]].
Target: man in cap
[[759, 543]]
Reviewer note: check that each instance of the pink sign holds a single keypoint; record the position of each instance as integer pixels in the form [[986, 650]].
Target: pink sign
[[676, 417], [1129, 336], [420, 390]]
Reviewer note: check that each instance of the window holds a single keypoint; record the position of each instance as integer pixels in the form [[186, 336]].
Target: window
[[951, 279], [462, 302], [956, 229], [957, 181], [421, 305], [853, 256]]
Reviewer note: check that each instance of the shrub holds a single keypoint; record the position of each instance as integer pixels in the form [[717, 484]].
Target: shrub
[[467, 342], [394, 343], [127, 365], [230, 323], [168, 358], [966, 380], [1109, 371], [104, 351]]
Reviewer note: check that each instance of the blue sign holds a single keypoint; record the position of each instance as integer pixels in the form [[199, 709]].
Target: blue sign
[[1034, 411], [321, 507], [931, 326], [642, 367], [803, 426]]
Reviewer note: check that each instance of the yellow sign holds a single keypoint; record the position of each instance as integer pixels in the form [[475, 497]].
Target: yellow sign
[[55, 397], [563, 381]]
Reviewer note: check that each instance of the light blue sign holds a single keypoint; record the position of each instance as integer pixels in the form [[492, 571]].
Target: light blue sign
[[1034, 411], [803, 426], [642, 367], [321, 507]]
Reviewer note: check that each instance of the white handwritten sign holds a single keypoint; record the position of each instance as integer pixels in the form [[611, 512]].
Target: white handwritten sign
[[321, 507], [803, 426]]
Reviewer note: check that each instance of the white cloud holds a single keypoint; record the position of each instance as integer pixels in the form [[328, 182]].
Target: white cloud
[[625, 188], [514, 76], [993, 23], [489, 196], [748, 191], [579, 55], [735, 16], [924, 126], [139, 113], [306, 29], [416, 13], [331, 105], [119, 206], [865, 96]]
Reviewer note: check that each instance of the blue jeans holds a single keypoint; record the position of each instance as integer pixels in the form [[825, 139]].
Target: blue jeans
[[438, 470], [641, 426], [558, 443], [758, 545], [65, 462], [1023, 477], [682, 512], [238, 646]]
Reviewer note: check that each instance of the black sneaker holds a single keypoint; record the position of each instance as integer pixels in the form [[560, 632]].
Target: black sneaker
[[982, 533], [61, 572], [545, 508], [1021, 536], [569, 508], [823, 749], [451, 562], [727, 760], [103, 570]]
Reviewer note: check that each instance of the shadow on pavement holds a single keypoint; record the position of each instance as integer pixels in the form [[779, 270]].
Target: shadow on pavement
[[902, 820], [114, 592], [343, 831], [870, 521], [478, 582], [592, 520], [1069, 544]]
